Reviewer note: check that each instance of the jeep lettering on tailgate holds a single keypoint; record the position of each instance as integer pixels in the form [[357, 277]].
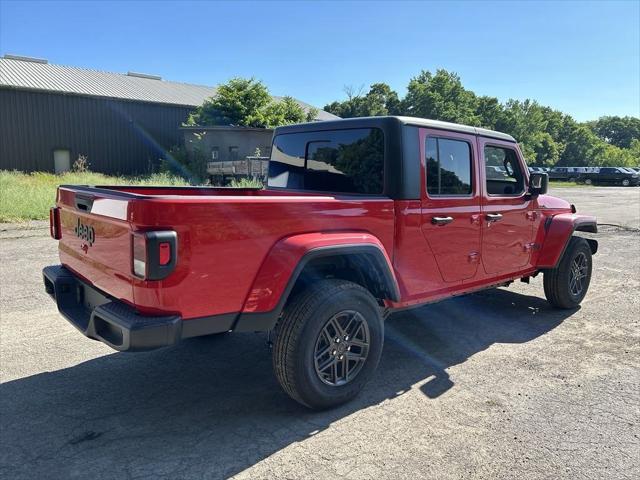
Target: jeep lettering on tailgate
[[85, 232]]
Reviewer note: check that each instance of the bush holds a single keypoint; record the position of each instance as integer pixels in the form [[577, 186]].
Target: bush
[[191, 167], [81, 165]]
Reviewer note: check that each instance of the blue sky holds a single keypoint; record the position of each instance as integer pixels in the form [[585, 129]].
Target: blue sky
[[580, 57]]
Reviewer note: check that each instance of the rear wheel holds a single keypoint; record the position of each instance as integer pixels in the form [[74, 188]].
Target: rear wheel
[[328, 343], [566, 285], [588, 181]]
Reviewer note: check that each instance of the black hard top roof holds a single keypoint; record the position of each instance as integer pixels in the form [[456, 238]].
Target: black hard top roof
[[388, 121]]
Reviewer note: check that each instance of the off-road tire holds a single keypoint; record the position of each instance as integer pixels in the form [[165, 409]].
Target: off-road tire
[[297, 334], [557, 281]]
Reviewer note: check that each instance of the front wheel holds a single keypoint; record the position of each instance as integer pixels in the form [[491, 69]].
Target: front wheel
[[566, 285], [626, 182], [588, 181], [328, 343]]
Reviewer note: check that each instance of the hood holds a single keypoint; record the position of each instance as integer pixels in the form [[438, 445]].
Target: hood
[[554, 203]]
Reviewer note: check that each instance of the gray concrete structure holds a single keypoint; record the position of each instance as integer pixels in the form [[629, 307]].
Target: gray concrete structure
[[225, 143]]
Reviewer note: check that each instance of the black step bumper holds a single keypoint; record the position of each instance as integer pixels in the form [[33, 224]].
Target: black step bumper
[[110, 321]]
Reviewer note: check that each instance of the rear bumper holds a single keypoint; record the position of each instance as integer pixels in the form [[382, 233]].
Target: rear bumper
[[115, 323]]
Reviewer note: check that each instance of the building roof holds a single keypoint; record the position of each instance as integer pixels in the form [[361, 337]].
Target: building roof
[[37, 74]]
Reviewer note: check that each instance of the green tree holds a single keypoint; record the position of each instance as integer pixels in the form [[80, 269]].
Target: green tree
[[440, 97], [380, 100], [247, 103], [284, 112], [489, 111], [634, 151], [612, 156], [555, 122], [547, 137], [582, 148], [545, 149], [618, 131], [522, 119]]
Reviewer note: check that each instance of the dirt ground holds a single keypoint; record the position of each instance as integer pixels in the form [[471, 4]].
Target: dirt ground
[[492, 385]]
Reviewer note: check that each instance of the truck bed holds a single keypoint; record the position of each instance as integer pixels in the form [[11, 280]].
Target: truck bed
[[223, 234]]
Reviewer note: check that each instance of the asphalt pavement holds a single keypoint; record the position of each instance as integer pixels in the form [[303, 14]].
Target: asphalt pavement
[[492, 385]]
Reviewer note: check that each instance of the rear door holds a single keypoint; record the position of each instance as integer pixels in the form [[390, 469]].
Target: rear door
[[451, 220], [507, 231]]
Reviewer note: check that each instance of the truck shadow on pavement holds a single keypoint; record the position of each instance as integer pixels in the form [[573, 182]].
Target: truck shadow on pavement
[[211, 407]]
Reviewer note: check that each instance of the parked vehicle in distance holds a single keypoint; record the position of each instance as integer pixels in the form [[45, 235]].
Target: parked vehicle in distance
[[611, 176], [570, 174], [563, 174], [360, 218]]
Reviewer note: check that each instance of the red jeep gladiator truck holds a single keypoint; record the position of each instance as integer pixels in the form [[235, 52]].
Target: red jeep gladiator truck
[[359, 218]]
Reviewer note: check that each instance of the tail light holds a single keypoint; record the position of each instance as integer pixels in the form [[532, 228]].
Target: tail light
[[153, 254], [54, 223]]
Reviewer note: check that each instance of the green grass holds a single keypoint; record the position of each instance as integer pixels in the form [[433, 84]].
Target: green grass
[[245, 183], [28, 196], [568, 184]]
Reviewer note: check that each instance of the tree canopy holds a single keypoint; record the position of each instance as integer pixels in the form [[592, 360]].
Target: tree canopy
[[547, 137], [247, 103], [618, 131]]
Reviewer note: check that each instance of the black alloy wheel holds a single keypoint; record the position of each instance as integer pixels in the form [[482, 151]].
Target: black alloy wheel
[[342, 348]]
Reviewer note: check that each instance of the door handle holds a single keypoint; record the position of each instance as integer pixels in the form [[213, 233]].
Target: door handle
[[441, 220], [493, 217], [84, 203]]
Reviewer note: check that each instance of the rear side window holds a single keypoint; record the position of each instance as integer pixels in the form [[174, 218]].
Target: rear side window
[[448, 167], [346, 161]]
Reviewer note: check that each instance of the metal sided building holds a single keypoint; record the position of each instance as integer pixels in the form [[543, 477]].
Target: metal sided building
[[123, 123]]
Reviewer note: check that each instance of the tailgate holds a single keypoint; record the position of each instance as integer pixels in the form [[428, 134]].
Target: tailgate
[[96, 238]]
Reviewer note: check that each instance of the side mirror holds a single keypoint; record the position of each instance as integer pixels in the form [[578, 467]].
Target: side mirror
[[538, 183]]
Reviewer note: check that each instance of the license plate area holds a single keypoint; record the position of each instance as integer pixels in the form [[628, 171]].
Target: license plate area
[[90, 298]]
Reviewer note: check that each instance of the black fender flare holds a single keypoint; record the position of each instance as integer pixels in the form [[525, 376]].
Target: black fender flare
[[263, 321]]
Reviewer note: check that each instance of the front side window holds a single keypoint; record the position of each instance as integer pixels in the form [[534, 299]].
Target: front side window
[[448, 167], [346, 161], [503, 171]]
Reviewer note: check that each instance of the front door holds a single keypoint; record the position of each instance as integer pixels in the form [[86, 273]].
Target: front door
[[451, 221], [507, 232]]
